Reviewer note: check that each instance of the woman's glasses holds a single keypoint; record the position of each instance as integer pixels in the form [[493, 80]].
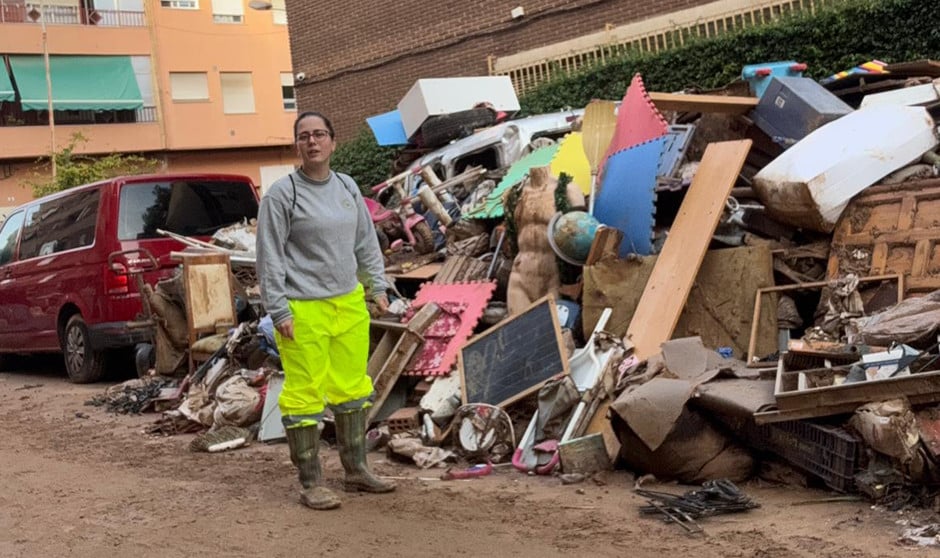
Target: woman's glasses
[[318, 135]]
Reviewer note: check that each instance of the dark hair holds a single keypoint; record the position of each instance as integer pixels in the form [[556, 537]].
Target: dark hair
[[312, 113]]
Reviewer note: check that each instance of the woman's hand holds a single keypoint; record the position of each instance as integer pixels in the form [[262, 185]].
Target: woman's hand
[[381, 304], [286, 328]]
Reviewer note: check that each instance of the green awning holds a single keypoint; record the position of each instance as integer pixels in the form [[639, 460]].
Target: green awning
[[6, 87], [78, 82]]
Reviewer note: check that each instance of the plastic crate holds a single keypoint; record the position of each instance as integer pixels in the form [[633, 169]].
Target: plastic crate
[[829, 452]]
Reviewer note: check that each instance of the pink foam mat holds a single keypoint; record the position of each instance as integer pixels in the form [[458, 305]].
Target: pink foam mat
[[462, 306]]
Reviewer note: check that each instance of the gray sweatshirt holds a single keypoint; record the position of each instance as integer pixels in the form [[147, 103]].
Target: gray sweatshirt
[[319, 247]]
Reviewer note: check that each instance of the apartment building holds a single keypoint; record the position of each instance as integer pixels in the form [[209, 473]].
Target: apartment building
[[199, 85]]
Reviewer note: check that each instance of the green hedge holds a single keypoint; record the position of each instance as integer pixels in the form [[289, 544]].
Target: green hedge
[[364, 160], [834, 39]]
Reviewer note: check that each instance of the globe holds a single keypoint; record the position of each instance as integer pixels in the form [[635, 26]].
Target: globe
[[571, 234]]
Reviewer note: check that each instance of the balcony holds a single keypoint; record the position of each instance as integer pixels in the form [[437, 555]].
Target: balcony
[[19, 12]]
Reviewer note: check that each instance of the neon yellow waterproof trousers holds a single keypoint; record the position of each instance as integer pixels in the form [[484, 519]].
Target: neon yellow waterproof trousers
[[325, 363]]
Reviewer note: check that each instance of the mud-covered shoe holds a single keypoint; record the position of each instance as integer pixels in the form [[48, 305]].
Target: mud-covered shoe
[[319, 498], [304, 444], [351, 438]]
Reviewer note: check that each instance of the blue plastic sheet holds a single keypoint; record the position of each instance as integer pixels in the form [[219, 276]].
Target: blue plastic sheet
[[388, 129]]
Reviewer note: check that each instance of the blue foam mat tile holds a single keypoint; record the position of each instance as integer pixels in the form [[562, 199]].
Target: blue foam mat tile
[[627, 199]]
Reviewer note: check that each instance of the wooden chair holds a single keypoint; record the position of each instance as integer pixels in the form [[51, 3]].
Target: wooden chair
[[210, 300]]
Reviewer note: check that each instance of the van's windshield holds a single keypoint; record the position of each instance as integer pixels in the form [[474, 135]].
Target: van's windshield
[[186, 207]]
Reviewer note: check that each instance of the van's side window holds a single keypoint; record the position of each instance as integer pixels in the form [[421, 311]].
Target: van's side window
[[60, 224], [8, 236]]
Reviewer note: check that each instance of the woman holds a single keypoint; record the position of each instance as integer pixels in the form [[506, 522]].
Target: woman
[[316, 247]]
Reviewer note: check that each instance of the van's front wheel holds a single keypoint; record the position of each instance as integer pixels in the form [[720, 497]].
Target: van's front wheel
[[83, 364]]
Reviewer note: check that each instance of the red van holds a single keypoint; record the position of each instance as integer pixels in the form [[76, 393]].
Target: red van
[[57, 292]]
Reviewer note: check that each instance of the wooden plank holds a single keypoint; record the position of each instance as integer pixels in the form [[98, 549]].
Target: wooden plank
[[383, 351], [426, 271], [669, 285], [408, 343], [908, 209], [514, 358], [879, 258], [924, 384], [894, 237], [921, 256], [703, 103], [916, 68], [781, 415], [606, 244]]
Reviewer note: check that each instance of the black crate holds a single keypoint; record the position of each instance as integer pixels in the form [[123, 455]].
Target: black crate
[[829, 452]]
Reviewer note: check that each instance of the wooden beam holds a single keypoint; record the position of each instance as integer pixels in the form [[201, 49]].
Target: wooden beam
[[606, 244], [408, 342], [669, 285], [703, 103]]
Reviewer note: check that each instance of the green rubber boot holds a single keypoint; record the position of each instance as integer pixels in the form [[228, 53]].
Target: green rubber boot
[[304, 444], [351, 437]]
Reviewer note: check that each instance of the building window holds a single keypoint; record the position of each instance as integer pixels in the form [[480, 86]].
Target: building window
[[238, 97], [180, 4], [227, 11], [279, 12], [141, 65], [287, 91], [189, 86]]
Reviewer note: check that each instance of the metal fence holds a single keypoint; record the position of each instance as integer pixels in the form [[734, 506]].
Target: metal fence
[[526, 72], [33, 13]]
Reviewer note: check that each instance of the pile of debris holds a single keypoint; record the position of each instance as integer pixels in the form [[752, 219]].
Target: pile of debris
[[562, 295], [581, 280]]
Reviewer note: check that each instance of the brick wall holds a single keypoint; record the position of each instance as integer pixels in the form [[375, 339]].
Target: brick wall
[[361, 56]]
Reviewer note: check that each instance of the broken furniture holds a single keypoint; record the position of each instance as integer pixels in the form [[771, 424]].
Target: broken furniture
[[811, 183], [209, 296], [752, 355], [825, 393], [891, 229], [396, 347], [719, 315]]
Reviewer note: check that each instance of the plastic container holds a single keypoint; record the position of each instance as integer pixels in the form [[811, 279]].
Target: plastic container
[[829, 452], [758, 76], [792, 107]]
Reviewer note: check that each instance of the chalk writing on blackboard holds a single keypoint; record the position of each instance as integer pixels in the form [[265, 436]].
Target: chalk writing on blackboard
[[515, 358]]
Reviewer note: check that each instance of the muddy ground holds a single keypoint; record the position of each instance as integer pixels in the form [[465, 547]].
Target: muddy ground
[[77, 481]]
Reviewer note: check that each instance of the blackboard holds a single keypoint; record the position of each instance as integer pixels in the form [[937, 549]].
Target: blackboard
[[514, 358]]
